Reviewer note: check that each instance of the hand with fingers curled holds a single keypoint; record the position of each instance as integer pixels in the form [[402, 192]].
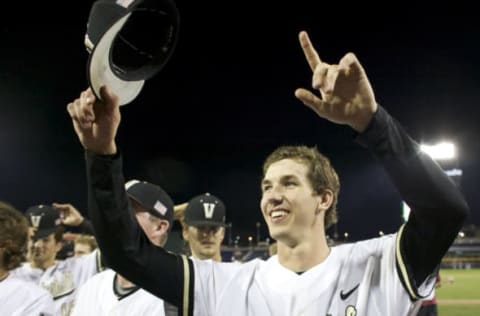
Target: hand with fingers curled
[[96, 122], [346, 96], [69, 215]]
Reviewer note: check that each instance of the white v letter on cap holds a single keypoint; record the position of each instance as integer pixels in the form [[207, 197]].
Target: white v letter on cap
[[208, 209], [35, 219]]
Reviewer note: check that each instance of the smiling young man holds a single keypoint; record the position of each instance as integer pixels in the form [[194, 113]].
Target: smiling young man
[[380, 276], [299, 198]]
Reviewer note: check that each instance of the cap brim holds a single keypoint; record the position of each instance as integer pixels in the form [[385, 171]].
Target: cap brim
[[43, 233], [205, 223], [100, 73]]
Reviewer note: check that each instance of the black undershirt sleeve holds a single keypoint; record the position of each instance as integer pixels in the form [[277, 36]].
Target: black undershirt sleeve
[[86, 227], [438, 209], [123, 244]]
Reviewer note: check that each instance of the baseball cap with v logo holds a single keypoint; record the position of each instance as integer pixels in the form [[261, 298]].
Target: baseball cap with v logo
[[205, 210], [44, 219]]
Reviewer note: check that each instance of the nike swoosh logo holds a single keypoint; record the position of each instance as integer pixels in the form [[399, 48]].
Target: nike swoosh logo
[[344, 296]]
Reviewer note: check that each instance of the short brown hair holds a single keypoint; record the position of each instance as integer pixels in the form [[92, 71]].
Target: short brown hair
[[13, 236], [321, 174], [87, 240]]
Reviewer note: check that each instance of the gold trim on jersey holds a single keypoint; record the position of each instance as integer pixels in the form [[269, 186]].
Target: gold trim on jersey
[[99, 262], [186, 285], [403, 268]]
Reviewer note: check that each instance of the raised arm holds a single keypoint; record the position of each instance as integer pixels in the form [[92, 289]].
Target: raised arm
[[122, 242], [345, 96]]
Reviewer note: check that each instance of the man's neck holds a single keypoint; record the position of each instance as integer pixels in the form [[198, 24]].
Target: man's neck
[[122, 287], [123, 283], [217, 257], [44, 265], [303, 256]]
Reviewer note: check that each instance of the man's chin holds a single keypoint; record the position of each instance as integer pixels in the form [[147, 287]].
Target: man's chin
[[278, 233], [38, 259], [208, 252]]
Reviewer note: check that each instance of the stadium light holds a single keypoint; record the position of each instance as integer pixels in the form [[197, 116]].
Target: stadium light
[[440, 151], [405, 211]]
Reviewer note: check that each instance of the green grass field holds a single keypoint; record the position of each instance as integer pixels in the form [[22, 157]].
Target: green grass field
[[459, 293]]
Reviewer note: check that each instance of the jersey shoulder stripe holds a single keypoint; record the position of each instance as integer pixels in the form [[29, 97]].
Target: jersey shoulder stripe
[[188, 287], [406, 278]]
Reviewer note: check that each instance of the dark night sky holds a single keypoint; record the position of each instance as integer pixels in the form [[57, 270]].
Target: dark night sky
[[225, 100]]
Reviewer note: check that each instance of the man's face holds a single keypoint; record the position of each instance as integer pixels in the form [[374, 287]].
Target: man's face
[[288, 202], [44, 251], [204, 241], [80, 249], [150, 225]]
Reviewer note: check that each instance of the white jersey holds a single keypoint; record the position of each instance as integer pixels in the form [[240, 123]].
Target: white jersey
[[63, 279], [355, 279], [22, 298], [28, 273], [97, 297]]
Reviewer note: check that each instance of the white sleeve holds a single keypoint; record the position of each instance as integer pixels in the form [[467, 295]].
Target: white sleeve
[[19, 297], [42, 305], [211, 278]]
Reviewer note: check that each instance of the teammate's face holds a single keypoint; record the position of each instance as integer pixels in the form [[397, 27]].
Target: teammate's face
[[80, 249], [204, 241], [289, 204], [44, 250], [151, 226]]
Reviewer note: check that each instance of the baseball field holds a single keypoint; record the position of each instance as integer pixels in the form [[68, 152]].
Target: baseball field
[[459, 293]]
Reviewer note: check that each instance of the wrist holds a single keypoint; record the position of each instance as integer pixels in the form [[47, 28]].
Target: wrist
[[111, 149], [108, 150]]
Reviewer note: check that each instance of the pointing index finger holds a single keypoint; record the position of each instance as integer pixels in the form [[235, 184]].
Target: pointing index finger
[[310, 53]]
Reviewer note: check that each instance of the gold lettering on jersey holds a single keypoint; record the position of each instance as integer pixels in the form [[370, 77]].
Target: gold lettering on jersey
[[60, 287], [350, 311], [66, 308]]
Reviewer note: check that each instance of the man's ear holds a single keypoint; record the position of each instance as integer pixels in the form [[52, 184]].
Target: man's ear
[[58, 245], [223, 232], [163, 226], [185, 232], [325, 200]]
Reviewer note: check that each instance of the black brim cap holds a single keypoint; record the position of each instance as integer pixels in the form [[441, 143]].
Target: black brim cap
[[44, 219], [130, 41], [205, 210], [42, 233], [152, 197]]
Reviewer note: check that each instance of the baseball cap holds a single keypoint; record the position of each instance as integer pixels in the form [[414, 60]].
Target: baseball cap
[[152, 197], [205, 210], [44, 219], [129, 42]]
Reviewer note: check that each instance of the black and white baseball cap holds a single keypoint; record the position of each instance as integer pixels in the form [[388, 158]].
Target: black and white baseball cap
[[152, 197], [205, 210], [44, 219], [129, 42]]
